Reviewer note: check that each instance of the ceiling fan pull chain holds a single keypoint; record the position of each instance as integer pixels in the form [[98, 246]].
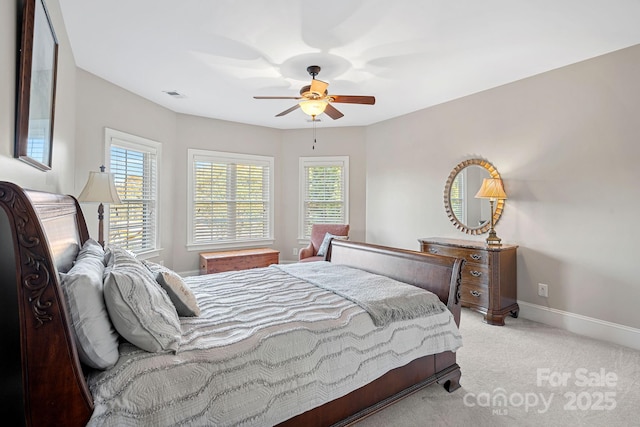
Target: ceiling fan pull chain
[[313, 119]]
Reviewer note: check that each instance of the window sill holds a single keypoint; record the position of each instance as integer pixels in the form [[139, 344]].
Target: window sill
[[149, 254]]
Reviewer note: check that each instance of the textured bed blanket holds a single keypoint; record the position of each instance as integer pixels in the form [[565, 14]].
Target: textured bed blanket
[[383, 298], [267, 346]]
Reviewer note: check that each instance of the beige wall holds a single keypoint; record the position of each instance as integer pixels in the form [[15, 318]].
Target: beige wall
[[567, 145], [60, 177], [101, 105]]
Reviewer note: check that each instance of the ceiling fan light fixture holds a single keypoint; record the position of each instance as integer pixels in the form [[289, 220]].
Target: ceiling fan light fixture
[[315, 100], [313, 107]]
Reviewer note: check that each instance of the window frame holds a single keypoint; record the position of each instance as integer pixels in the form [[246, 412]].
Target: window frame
[[227, 157], [329, 161], [137, 143]]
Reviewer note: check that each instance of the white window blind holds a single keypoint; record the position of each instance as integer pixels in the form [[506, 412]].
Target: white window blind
[[324, 192], [231, 198], [134, 224]]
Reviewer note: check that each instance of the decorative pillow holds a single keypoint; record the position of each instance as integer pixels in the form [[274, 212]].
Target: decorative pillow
[[179, 293], [108, 256], [155, 268], [324, 247], [140, 309], [96, 339]]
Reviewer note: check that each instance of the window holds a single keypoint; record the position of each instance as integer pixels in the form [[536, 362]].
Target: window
[[230, 199], [133, 162], [324, 192]]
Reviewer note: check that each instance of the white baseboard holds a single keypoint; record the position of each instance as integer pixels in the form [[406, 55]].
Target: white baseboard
[[582, 325]]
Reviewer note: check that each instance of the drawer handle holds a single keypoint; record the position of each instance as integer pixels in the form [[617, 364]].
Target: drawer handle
[[433, 250], [476, 257], [475, 293], [475, 273]]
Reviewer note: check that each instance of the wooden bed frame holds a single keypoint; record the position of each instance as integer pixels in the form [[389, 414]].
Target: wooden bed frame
[[41, 234]]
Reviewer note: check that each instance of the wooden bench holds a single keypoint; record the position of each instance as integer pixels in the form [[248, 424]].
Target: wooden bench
[[215, 262]]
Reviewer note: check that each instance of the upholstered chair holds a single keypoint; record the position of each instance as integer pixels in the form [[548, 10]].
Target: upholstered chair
[[318, 231]]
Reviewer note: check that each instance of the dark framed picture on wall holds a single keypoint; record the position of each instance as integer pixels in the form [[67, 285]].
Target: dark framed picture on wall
[[36, 88]]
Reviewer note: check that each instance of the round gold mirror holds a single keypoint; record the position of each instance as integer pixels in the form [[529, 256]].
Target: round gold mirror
[[467, 213]]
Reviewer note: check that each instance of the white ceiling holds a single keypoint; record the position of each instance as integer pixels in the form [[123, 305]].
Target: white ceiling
[[409, 54]]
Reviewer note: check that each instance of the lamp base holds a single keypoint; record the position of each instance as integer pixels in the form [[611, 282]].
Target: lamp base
[[101, 224], [493, 239]]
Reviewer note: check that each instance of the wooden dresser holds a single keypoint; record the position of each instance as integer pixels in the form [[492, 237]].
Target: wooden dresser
[[215, 262], [489, 275]]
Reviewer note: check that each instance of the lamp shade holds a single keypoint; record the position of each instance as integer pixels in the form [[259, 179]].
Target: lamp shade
[[313, 107], [491, 189], [99, 188]]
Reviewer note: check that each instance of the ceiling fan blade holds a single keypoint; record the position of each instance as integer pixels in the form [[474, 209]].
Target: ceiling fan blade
[[295, 107], [332, 112], [353, 99], [318, 86], [277, 97]]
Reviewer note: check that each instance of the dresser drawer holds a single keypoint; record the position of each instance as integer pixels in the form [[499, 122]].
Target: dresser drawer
[[477, 295], [470, 255], [476, 274]]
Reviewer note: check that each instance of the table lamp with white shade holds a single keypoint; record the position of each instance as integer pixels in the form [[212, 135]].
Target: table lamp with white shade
[[100, 188], [492, 189]]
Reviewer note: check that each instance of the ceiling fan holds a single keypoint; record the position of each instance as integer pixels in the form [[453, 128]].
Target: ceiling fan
[[315, 100]]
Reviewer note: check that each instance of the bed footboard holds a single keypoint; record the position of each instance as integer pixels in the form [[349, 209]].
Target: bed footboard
[[435, 273], [438, 274]]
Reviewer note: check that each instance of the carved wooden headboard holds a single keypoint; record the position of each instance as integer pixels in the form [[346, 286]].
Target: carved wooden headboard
[[46, 231]]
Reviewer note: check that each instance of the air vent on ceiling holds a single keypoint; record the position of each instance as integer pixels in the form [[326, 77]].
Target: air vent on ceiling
[[174, 94]]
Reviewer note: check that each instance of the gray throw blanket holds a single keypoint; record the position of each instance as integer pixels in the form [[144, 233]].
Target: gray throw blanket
[[383, 298]]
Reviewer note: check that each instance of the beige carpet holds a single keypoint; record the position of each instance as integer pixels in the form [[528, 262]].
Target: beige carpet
[[527, 374]]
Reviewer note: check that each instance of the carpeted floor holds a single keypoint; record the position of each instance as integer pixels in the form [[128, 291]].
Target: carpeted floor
[[527, 374]]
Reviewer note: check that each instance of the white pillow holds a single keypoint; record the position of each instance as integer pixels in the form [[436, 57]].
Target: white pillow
[[96, 339], [179, 293], [154, 267], [140, 309]]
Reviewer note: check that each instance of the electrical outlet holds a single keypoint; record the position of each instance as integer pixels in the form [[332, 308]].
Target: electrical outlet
[[543, 290], [294, 252]]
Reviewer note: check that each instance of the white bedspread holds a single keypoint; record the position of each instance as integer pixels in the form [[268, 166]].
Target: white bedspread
[[267, 346]]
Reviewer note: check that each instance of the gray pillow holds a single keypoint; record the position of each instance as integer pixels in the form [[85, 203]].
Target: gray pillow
[[179, 292], [140, 309], [324, 246], [95, 337]]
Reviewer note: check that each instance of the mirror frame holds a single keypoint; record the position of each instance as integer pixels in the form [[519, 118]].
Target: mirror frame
[[30, 47], [499, 205]]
